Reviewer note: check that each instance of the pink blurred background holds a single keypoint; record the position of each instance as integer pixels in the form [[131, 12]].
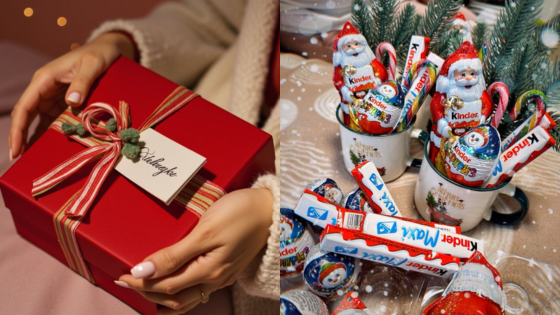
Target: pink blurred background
[[40, 31]]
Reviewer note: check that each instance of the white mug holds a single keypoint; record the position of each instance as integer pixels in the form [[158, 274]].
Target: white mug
[[389, 152], [439, 199]]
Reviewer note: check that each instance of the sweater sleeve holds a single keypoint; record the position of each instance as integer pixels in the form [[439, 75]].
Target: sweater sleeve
[[180, 40]]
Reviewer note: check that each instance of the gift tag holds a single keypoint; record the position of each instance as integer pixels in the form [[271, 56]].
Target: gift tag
[[163, 166]]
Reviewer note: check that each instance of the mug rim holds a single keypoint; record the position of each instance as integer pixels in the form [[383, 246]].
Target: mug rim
[[339, 108], [426, 159]]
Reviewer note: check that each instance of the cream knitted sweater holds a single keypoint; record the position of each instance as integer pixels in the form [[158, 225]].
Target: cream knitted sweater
[[221, 49]]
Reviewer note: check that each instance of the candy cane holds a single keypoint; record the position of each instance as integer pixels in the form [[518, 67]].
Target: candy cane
[[385, 47], [418, 89], [503, 92], [531, 122]]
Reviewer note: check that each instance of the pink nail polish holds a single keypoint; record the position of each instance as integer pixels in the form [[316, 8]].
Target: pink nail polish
[[122, 284], [143, 270], [74, 97]]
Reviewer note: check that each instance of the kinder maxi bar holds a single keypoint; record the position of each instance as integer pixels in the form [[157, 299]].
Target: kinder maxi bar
[[375, 190], [364, 246], [438, 237]]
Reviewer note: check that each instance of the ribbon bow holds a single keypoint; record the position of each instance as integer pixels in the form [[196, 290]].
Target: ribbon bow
[[349, 70], [109, 153], [453, 102]]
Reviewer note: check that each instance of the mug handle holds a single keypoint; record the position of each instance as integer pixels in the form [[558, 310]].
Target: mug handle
[[418, 134], [512, 218]]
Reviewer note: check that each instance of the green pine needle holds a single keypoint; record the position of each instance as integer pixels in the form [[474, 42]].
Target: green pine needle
[[516, 21], [435, 17], [361, 18], [383, 16], [401, 32], [479, 34]]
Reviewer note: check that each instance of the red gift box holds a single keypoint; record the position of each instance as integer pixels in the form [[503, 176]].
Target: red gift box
[[125, 224]]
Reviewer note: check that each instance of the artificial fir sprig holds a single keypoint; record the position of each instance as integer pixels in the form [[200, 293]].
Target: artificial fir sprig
[[516, 21], [362, 20], [383, 16], [479, 34], [435, 17]]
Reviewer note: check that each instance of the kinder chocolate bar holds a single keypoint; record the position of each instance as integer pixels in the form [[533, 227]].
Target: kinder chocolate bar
[[416, 51], [375, 190], [361, 245], [439, 238], [520, 154], [546, 122], [316, 209]]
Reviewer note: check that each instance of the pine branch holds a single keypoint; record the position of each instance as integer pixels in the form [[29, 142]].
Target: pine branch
[[455, 40], [479, 34], [555, 133], [401, 32], [383, 15], [363, 21], [551, 85], [436, 16], [516, 21], [447, 42]]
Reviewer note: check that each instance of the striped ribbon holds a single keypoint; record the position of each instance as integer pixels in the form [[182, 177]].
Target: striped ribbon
[[197, 196]]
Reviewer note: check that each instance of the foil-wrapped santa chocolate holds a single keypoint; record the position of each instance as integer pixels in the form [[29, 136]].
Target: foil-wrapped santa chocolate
[[300, 302], [471, 158], [330, 275], [326, 187], [381, 108], [476, 289], [295, 243], [355, 200], [352, 305]]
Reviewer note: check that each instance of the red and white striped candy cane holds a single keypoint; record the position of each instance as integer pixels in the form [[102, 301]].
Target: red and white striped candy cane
[[385, 47], [503, 92]]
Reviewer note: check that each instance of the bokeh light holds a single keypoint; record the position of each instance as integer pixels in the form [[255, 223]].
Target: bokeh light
[[28, 12], [61, 21]]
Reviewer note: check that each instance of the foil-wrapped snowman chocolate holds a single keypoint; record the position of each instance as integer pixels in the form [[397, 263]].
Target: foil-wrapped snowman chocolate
[[475, 289], [327, 188], [295, 243], [300, 302], [330, 275], [471, 158], [355, 200], [381, 108]]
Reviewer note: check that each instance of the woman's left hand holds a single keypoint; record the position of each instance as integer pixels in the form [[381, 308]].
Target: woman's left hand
[[227, 238]]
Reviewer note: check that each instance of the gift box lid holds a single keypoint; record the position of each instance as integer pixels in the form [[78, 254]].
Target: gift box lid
[[125, 224]]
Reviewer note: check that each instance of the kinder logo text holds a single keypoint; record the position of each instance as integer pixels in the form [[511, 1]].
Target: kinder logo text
[[420, 267], [458, 159], [422, 82], [518, 146], [294, 257], [456, 241], [417, 234], [364, 78], [465, 116]]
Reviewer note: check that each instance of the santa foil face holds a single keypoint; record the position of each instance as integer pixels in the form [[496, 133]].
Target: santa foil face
[[381, 108], [295, 243], [355, 200], [330, 275], [471, 158], [476, 289], [327, 188]]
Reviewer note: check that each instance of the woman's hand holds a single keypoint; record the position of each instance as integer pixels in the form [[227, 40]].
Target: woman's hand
[[49, 85], [228, 237]]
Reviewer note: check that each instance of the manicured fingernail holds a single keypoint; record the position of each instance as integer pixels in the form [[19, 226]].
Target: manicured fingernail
[[143, 270], [122, 284], [74, 97], [11, 157]]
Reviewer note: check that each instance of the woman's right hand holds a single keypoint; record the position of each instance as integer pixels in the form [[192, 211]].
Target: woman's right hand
[[67, 78]]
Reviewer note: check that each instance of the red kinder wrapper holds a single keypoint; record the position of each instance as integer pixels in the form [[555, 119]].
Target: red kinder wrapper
[[123, 213]]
